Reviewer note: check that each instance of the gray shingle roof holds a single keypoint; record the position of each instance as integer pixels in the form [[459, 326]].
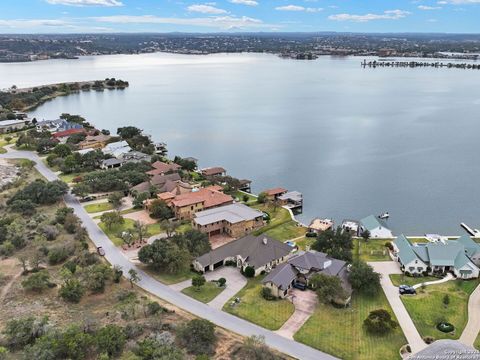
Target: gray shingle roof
[[281, 276], [447, 349], [309, 260], [257, 251]]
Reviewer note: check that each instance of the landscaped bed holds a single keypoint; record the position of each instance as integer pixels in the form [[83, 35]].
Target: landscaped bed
[[427, 309], [206, 293], [254, 308], [340, 331]]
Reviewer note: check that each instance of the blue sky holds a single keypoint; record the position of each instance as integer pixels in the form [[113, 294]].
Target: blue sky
[[71, 16]]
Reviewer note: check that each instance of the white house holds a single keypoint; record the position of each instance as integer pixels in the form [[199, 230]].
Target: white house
[[377, 228]]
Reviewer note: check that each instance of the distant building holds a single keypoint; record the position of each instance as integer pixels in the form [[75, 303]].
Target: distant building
[[292, 199], [320, 225], [186, 205], [62, 136], [275, 193], [94, 141], [235, 220], [134, 157], [117, 149], [377, 228], [11, 125], [350, 226], [162, 168], [213, 171], [461, 257]]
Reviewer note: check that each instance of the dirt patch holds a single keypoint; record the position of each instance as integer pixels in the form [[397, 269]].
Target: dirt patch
[[8, 173], [141, 216]]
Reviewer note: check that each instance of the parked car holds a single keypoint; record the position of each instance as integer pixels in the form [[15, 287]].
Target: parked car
[[300, 286], [100, 251], [406, 290]]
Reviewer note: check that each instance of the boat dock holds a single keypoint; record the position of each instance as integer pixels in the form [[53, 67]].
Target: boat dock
[[419, 64], [472, 232]]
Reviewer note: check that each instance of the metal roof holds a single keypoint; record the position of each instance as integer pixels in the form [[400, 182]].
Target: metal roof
[[233, 213]]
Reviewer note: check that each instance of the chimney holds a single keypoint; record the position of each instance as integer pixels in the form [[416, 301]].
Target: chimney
[[265, 241]]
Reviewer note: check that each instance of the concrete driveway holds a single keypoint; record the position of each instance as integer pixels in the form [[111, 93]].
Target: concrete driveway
[[235, 282], [386, 268], [305, 303], [473, 326]]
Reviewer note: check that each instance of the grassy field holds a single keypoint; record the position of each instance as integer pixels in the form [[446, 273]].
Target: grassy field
[[207, 292], [168, 279], [371, 250], [427, 308], [340, 332], [68, 178], [251, 199], [254, 308], [304, 242], [476, 344], [278, 216], [114, 232], [287, 231], [401, 279], [94, 208]]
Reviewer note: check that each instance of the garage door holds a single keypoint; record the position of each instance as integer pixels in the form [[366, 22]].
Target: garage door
[[216, 232], [218, 264]]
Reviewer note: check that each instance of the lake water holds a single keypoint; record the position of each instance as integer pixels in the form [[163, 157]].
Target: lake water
[[354, 141]]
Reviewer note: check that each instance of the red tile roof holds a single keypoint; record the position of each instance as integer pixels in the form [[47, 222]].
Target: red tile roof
[[213, 171], [68, 132], [210, 197], [275, 191], [162, 168]]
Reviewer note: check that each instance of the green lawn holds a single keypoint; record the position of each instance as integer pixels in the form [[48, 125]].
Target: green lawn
[[427, 309], [304, 242], [94, 208], [68, 178], [401, 279], [476, 344], [184, 228], [340, 332], [371, 250], [207, 292], [251, 199], [278, 216], [168, 279], [114, 233], [287, 231], [254, 308]]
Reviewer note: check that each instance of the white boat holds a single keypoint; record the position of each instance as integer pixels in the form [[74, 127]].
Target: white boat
[[384, 216]]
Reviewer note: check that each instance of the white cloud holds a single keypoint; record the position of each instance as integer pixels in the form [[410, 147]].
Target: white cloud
[[245, 2], [108, 3], [387, 15], [220, 22], [29, 23], [206, 9], [297, 8], [427, 8], [458, 2]]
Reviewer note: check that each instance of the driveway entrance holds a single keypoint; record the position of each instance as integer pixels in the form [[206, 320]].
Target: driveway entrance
[[305, 303]]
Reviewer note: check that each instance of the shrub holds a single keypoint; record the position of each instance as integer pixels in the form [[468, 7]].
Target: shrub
[[311, 234], [379, 322], [222, 281], [110, 339], [249, 272], [198, 336], [389, 245], [267, 294], [58, 255], [72, 290], [37, 282]]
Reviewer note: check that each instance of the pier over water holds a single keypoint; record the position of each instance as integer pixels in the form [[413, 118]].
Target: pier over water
[[419, 64]]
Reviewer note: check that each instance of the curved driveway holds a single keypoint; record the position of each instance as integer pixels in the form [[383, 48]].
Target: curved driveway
[[220, 318]]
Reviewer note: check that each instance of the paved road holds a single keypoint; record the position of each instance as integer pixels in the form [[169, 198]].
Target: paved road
[[386, 268], [473, 325], [222, 319]]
